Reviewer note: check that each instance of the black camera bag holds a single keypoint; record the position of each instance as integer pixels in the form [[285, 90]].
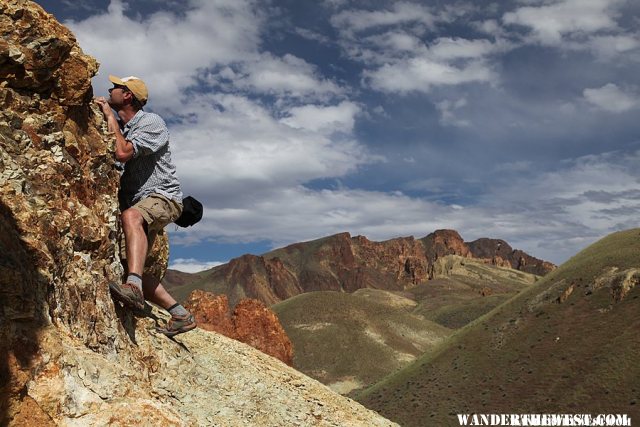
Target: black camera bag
[[191, 212]]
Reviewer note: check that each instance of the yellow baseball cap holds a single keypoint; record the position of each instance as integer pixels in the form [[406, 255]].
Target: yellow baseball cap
[[134, 84]]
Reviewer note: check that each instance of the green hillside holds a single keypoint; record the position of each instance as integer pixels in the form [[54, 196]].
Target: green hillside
[[349, 341], [568, 344], [464, 289]]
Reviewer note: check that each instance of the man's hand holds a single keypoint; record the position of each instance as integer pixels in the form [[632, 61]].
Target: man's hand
[[124, 148], [104, 104]]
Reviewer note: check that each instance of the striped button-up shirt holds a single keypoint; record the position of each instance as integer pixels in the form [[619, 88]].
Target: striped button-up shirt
[[150, 170]]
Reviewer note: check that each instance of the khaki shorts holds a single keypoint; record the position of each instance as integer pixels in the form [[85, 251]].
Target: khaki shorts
[[157, 211]]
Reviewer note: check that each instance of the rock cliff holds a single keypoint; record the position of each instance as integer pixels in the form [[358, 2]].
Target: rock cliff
[[345, 263], [251, 322], [68, 355], [498, 252]]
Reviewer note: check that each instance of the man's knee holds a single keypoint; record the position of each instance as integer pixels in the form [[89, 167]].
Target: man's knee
[[132, 218]]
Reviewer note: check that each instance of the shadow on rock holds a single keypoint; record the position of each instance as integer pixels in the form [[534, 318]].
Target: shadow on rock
[[23, 306]]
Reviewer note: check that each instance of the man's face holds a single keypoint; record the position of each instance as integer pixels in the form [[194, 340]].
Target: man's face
[[117, 96]]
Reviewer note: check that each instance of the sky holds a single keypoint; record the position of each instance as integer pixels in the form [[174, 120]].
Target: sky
[[292, 120]]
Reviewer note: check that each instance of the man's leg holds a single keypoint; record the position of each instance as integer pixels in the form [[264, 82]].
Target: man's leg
[[136, 240], [130, 292], [156, 293], [153, 212], [181, 320]]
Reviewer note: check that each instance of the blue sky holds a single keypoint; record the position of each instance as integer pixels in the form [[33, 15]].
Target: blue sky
[[293, 120]]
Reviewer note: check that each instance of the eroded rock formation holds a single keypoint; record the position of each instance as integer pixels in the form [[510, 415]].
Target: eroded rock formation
[[498, 252], [251, 323], [68, 354]]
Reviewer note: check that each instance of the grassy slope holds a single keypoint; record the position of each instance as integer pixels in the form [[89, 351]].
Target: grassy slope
[[533, 354], [337, 336], [453, 300], [351, 340]]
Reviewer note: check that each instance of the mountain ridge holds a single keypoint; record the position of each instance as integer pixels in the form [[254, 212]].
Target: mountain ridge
[[344, 263]]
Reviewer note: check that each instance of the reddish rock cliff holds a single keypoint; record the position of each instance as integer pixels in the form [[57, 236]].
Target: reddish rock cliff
[[498, 252], [399, 260], [444, 242], [258, 326], [251, 323]]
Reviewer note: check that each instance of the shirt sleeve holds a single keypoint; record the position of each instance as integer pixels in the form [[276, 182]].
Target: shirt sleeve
[[149, 136]]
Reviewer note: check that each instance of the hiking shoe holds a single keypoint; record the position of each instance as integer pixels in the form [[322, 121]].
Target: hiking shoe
[[178, 325], [128, 294]]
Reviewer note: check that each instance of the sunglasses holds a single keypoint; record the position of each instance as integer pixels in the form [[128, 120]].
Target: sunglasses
[[124, 88]]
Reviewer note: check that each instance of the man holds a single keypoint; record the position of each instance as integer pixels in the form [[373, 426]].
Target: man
[[150, 195]]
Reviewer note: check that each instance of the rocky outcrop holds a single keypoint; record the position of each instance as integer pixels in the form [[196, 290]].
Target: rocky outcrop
[[251, 322], [346, 264], [68, 354], [620, 283], [401, 260], [445, 242], [258, 326], [57, 206], [211, 312], [498, 252]]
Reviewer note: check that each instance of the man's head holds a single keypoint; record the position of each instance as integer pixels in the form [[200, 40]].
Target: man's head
[[128, 91]]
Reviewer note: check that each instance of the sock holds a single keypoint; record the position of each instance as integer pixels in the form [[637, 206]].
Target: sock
[[177, 310], [135, 279]]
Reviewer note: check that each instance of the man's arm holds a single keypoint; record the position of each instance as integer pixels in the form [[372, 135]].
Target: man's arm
[[124, 148]]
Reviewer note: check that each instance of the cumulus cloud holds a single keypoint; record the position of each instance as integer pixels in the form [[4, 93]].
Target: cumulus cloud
[[397, 59], [211, 35], [549, 23], [285, 76], [447, 48], [286, 215], [357, 20], [191, 265], [422, 73], [323, 119], [395, 42], [609, 46], [127, 46], [238, 147], [555, 213], [611, 98]]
